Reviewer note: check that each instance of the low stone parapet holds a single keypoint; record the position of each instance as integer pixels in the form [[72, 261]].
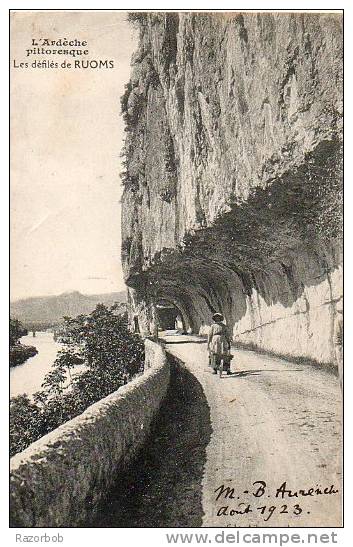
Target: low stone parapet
[[60, 480]]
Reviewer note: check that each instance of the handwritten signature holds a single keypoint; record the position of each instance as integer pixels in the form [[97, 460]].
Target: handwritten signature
[[260, 489]]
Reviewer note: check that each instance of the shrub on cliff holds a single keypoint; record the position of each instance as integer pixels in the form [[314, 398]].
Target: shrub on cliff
[[108, 355], [136, 17]]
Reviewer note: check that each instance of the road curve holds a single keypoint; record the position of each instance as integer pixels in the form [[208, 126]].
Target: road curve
[[276, 422], [272, 422]]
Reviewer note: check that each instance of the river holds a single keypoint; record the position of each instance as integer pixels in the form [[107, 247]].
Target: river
[[28, 377]]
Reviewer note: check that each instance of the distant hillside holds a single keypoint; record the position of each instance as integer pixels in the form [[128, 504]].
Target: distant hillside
[[49, 310]]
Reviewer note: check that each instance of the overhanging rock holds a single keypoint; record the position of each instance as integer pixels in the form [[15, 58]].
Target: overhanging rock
[[232, 197]]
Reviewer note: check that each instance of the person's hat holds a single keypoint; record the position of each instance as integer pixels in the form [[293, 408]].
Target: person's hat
[[217, 316]]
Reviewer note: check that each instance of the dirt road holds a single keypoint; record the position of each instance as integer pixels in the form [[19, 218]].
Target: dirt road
[[274, 422], [272, 429]]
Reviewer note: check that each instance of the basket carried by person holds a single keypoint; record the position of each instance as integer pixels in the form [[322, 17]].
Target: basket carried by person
[[226, 360]]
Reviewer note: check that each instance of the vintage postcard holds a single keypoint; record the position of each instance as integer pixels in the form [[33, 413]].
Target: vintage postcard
[[176, 325]]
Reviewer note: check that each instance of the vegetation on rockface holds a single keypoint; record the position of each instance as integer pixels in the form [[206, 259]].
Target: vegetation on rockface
[[126, 247], [19, 353], [137, 17], [132, 103], [141, 89], [109, 356], [168, 184], [221, 98], [255, 224], [304, 206]]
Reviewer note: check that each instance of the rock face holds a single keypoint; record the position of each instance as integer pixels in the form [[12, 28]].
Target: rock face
[[232, 186]]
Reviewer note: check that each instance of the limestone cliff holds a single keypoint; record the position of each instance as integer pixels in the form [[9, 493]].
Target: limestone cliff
[[232, 182]]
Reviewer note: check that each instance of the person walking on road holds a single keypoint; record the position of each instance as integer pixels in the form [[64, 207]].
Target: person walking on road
[[219, 344]]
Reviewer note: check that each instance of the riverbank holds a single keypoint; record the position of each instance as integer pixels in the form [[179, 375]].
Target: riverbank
[[28, 376], [20, 353]]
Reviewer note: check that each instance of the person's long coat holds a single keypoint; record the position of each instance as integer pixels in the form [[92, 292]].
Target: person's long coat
[[218, 339]]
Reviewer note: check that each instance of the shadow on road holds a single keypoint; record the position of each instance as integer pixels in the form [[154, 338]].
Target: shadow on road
[[243, 373], [163, 488], [168, 341]]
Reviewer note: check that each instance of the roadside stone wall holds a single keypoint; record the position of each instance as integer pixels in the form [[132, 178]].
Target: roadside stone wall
[[60, 479]]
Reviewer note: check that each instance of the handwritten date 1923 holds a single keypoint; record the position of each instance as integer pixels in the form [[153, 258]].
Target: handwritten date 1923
[[265, 510]]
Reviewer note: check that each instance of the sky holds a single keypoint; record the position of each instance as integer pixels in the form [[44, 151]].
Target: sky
[[66, 138]]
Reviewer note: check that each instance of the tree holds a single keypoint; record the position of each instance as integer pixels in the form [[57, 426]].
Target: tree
[[17, 330], [107, 355], [102, 343], [24, 423]]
